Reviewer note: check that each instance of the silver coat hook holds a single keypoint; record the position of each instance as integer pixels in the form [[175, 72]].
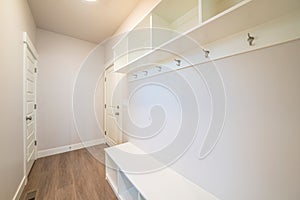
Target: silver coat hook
[[250, 39], [206, 53], [145, 73], [135, 76], [178, 62], [158, 68]]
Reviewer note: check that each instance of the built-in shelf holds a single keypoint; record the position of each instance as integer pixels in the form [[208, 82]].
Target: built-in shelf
[[171, 17], [237, 17], [130, 194], [112, 173], [160, 184], [211, 8], [125, 188]]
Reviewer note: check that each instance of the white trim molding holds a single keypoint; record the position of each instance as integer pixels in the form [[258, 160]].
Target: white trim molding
[[27, 46], [31, 47], [68, 148], [20, 188]]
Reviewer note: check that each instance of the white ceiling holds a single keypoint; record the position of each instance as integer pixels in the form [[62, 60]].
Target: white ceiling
[[92, 22]]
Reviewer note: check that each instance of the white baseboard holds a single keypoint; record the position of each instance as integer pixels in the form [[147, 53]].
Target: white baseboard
[[20, 189], [67, 148]]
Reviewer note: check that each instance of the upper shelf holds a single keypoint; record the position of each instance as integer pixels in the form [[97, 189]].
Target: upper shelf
[[242, 16]]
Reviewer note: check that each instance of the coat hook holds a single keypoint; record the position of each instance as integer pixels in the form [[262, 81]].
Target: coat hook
[[135, 76], [158, 68], [145, 73], [250, 39], [206, 53], [177, 62]]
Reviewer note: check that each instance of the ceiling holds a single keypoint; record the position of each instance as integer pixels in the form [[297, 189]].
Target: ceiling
[[93, 22]]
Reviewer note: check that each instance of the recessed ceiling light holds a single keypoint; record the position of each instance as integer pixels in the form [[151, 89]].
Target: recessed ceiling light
[[89, 1]]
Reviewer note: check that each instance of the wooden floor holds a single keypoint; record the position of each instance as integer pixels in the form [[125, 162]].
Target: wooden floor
[[73, 175]]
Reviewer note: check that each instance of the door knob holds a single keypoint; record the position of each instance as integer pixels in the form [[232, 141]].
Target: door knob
[[117, 113], [28, 118]]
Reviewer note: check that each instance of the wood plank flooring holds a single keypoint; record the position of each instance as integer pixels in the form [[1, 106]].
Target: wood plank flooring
[[75, 175]]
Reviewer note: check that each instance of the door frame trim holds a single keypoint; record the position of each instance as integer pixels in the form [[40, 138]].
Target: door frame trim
[[109, 141], [27, 45]]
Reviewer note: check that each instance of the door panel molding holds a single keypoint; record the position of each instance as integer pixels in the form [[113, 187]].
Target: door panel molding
[[113, 134], [30, 59]]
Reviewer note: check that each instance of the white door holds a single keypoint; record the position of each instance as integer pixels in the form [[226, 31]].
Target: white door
[[112, 118], [30, 75]]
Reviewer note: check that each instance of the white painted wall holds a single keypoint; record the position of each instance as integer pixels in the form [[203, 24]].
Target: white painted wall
[[15, 17], [59, 63], [87, 101], [257, 156]]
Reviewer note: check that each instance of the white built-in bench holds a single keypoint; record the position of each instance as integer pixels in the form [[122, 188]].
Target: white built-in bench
[[164, 184]]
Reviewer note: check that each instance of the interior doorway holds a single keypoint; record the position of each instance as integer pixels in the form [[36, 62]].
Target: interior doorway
[[113, 108], [29, 103]]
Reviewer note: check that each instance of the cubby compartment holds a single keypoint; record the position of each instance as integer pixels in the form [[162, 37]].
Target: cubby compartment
[[126, 190], [119, 182], [211, 8], [121, 52], [173, 17], [139, 39], [131, 194], [141, 197], [112, 173]]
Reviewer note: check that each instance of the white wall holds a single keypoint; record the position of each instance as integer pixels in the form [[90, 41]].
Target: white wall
[[59, 63], [15, 17], [257, 156]]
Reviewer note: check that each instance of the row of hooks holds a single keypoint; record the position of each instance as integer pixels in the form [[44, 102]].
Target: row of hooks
[[206, 52], [145, 72]]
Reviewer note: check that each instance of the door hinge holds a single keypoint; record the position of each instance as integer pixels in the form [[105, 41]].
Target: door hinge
[[35, 142], [35, 106], [104, 132], [105, 79], [35, 70], [105, 106]]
